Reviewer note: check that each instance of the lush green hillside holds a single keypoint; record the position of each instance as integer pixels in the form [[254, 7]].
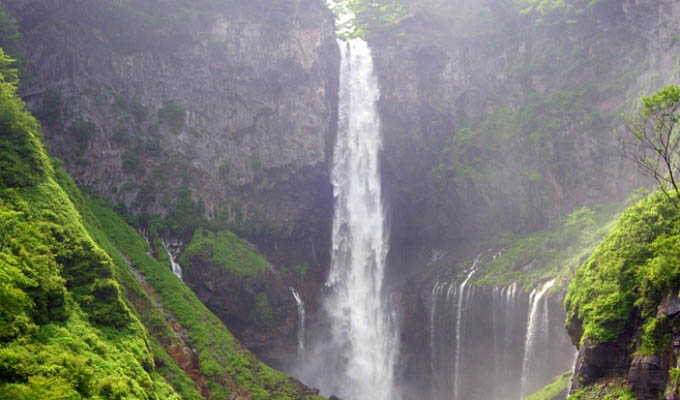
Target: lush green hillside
[[629, 273], [85, 311], [65, 329], [622, 305]]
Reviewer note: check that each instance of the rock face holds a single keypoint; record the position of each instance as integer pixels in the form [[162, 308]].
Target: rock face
[[497, 122], [494, 121], [648, 375], [235, 101], [260, 311]]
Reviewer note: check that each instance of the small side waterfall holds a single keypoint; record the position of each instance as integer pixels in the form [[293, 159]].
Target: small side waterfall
[[460, 342], [171, 248], [537, 325], [480, 337], [301, 324]]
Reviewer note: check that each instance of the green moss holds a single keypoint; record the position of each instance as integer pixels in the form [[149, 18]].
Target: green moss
[[220, 355], [600, 392], [226, 249], [554, 389], [554, 253], [261, 314], [629, 273]]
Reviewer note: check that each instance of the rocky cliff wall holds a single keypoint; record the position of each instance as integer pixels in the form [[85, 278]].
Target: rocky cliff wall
[[497, 120], [234, 101]]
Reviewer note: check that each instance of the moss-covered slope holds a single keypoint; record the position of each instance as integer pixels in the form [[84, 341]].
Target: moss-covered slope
[[85, 312]]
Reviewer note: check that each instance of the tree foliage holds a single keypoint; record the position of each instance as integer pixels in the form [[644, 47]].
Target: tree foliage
[[652, 141]]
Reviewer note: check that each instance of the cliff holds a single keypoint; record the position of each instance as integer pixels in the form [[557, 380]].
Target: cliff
[[86, 312], [499, 117], [190, 114], [232, 103]]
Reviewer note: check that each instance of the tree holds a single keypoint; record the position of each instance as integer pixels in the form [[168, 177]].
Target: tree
[[652, 140]]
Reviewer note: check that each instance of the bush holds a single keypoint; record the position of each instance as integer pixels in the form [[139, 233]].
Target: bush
[[82, 131], [173, 115]]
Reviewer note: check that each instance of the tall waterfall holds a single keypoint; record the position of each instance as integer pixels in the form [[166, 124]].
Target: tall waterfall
[[360, 322], [301, 323]]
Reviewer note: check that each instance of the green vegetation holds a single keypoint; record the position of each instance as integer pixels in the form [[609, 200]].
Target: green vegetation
[[173, 115], [222, 359], [653, 140], [75, 321], [628, 274], [370, 15], [10, 37], [600, 392], [554, 389], [82, 131], [227, 250], [51, 108], [66, 330], [555, 253]]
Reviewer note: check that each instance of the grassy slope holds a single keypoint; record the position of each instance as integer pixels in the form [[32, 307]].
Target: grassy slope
[[226, 249], [74, 320], [65, 331], [554, 389], [554, 253], [222, 359]]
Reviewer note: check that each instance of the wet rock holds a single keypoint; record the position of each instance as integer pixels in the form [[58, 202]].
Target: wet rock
[[670, 306], [648, 375], [597, 360]]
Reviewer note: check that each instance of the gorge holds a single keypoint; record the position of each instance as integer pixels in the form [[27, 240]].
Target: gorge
[[389, 199]]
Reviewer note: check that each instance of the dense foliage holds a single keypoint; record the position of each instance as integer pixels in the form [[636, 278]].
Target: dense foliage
[[65, 330], [227, 250], [628, 274]]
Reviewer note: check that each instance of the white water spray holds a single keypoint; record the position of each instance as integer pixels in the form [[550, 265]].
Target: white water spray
[[360, 321], [301, 323], [537, 324], [459, 329], [169, 246]]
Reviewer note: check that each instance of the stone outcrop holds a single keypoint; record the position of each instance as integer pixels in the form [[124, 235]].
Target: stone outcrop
[[646, 374]]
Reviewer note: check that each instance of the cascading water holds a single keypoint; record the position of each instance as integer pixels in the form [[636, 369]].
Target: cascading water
[[537, 325], [361, 326], [478, 337], [301, 324], [169, 247], [460, 345]]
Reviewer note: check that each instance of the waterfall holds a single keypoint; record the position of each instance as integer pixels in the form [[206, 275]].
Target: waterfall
[[170, 247], [459, 329], [301, 324], [360, 321], [573, 371], [537, 324]]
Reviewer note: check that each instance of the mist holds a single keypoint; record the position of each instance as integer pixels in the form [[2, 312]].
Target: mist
[[344, 199]]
